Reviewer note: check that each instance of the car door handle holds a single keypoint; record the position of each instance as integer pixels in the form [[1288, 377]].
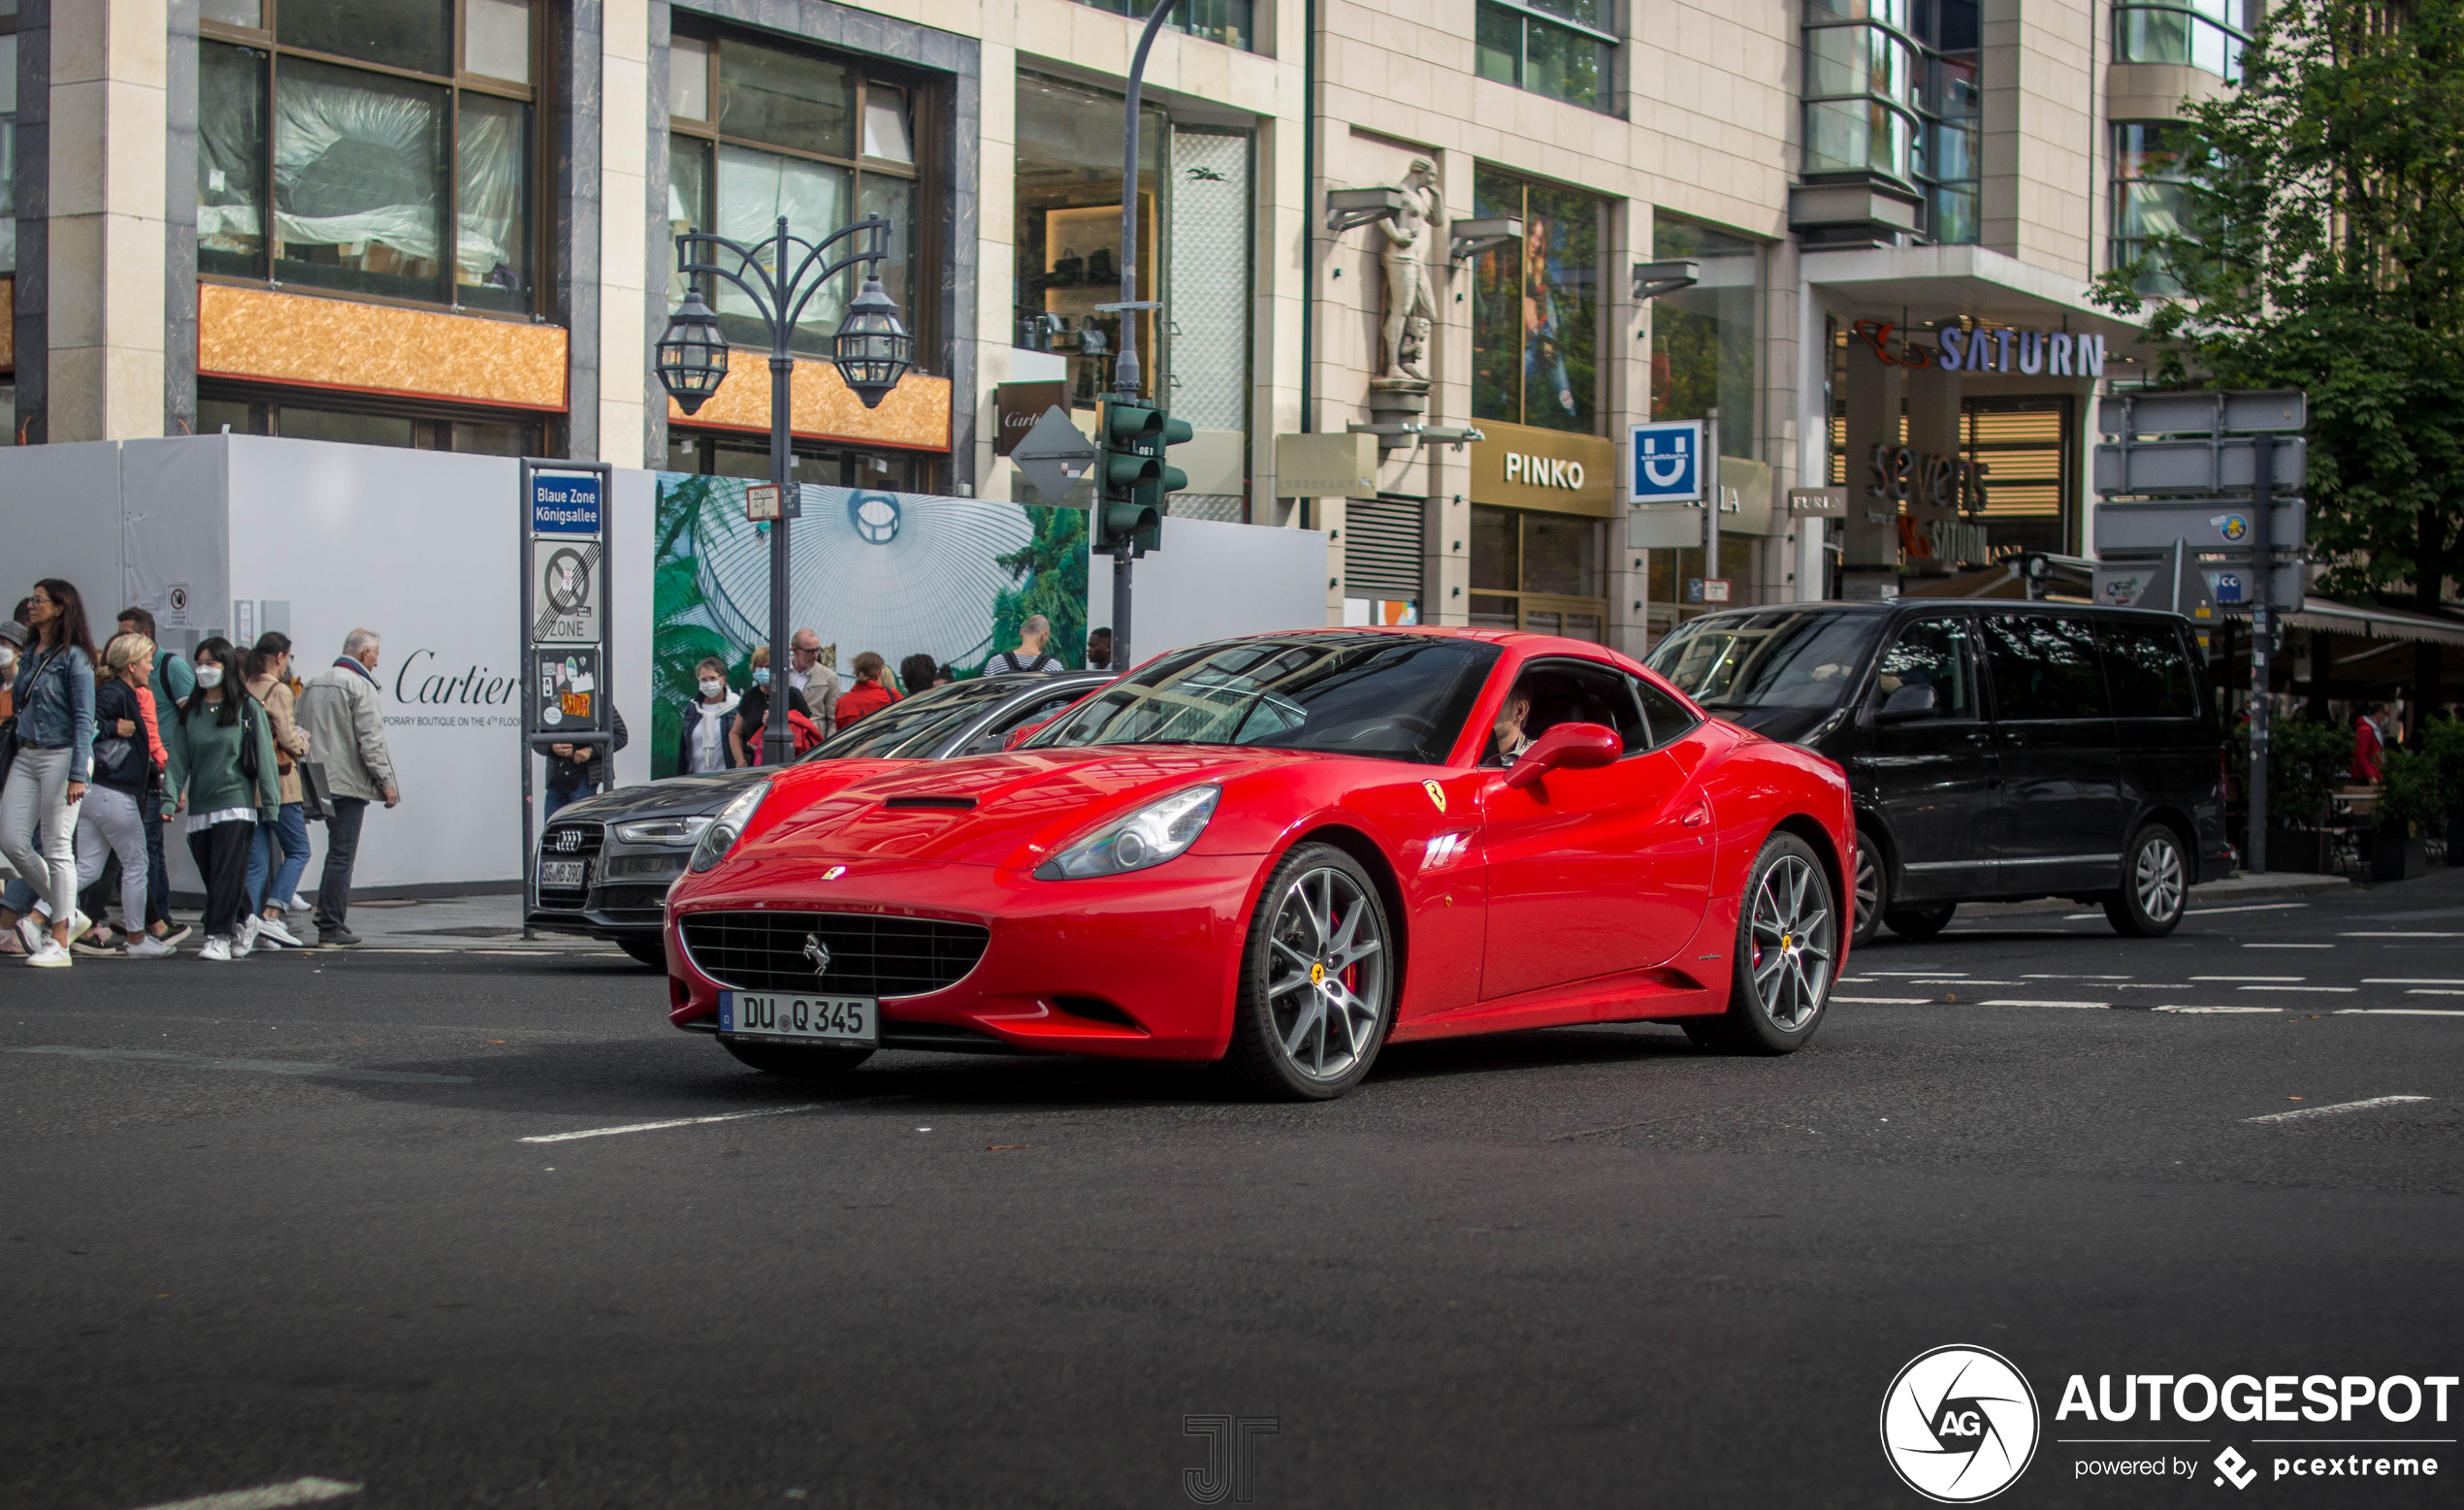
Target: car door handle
[[1980, 739], [1701, 815]]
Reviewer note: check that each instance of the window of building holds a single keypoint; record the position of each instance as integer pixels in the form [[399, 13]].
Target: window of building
[[2148, 183], [1564, 48], [1539, 571], [1232, 23], [763, 131], [382, 148], [1703, 339], [1068, 228], [376, 423], [2025, 446], [1892, 89], [1536, 313], [717, 455], [9, 141], [2209, 35]]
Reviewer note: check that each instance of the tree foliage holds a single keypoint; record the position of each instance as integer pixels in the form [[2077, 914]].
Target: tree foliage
[[2322, 247]]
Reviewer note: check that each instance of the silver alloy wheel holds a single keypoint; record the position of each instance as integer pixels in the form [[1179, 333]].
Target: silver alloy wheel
[[1793, 936], [1869, 885], [2157, 879], [1326, 988]]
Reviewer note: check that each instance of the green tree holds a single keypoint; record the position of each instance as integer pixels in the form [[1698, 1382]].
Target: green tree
[[2322, 247], [1051, 573]]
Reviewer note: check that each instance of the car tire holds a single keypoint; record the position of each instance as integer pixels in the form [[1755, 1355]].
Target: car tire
[[1873, 888], [651, 952], [1786, 954], [2155, 886], [796, 1061], [1920, 922], [1317, 979]]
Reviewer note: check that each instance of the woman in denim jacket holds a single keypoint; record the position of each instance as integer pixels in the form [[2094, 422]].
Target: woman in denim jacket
[[54, 694]]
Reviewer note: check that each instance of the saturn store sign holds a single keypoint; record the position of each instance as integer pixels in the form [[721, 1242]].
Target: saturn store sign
[[1526, 467]]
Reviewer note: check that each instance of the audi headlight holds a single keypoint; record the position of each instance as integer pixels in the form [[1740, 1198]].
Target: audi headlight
[[728, 827], [1149, 836], [674, 831]]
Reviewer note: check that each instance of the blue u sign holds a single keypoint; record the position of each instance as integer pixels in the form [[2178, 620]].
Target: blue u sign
[[1665, 462]]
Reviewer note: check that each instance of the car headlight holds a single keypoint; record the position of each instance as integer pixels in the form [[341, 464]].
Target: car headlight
[[728, 827], [674, 831], [1149, 836]]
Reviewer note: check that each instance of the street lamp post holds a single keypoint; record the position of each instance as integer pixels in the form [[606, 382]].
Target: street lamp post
[[870, 350]]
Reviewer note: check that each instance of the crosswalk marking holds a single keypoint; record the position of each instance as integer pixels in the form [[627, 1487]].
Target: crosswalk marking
[[2341, 1106]]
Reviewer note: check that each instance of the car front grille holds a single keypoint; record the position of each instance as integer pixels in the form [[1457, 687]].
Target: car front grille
[[868, 955], [570, 842], [631, 899]]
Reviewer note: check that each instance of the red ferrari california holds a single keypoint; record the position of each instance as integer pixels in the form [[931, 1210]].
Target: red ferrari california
[[1288, 851]]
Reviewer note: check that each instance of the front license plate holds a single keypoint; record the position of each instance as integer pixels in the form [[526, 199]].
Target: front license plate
[[563, 874], [814, 1019]]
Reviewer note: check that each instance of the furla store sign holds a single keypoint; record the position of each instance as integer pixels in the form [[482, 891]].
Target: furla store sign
[[1526, 467]]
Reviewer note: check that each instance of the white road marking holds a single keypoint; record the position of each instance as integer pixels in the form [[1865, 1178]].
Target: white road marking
[[164, 1056], [2328, 1112], [652, 1127], [2250, 978], [2002, 1001], [299, 1492], [2411, 980], [2432, 990], [2381, 934], [2288, 946], [2252, 907], [2075, 977], [2154, 985], [1957, 981], [1929, 974], [2399, 1012], [2315, 990], [1884, 1001], [2219, 1010]]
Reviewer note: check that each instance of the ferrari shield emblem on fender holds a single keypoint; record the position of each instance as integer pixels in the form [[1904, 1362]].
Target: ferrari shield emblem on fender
[[1437, 793]]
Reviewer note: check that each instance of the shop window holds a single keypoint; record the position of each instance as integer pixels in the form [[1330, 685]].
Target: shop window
[[2209, 35], [2025, 446], [1892, 89], [1703, 339], [1209, 233], [1563, 48], [1231, 23], [8, 142], [2149, 181], [1537, 314], [1539, 571], [762, 132], [716, 454], [380, 424], [1068, 228], [407, 178]]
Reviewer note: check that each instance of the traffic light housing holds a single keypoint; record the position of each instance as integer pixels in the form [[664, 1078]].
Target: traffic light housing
[[1137, 480]]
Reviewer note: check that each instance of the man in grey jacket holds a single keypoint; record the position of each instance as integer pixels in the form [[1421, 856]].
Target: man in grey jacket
[[342, 711]]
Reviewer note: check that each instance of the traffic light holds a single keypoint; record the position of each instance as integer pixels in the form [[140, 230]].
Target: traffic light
[[1137, 480]]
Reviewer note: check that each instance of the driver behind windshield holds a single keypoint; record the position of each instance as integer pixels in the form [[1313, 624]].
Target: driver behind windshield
[[1509, 736]]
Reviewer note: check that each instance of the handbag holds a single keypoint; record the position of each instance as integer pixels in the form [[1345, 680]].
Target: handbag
[[251, 765], [316, 793], [7, 746]]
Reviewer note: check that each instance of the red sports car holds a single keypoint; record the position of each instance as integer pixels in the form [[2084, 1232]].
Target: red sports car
[[1287, 850]]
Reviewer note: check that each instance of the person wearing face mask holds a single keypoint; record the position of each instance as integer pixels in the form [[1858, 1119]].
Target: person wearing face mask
[[54, 702], [223, 776], [744, 736], [343, 715], [709, 721]]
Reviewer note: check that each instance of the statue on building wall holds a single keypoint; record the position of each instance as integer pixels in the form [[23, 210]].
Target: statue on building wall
[[1410, 302]]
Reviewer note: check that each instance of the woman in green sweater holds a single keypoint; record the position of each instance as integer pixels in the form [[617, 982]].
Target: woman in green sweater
[[222, 772]]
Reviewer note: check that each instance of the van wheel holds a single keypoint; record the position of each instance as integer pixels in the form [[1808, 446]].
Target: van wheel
[[1919, 923], [1873, 888], [2155, 886]]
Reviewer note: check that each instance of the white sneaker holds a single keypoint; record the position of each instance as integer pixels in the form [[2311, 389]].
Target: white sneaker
[[30, 934], [50, 956], [272, 934], [215, 947], [80, 925], [148, 947], [298, 904], [244, 940]]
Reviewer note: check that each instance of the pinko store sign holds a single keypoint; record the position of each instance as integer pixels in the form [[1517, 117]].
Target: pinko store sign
[[2027, 353]]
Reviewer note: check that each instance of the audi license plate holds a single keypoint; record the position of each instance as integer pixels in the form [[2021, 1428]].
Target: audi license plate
[[564, 875], [808, 1019]]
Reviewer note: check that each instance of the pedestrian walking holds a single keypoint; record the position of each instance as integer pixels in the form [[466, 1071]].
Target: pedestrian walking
[[752, 714], [54, 695], [1029, 654], [2370, 743], [918, 673], [222, 775], [346, 728], [575, 771], [871, 692], [708, 720], [112, 820], [271, 887], [805, 672], [172, 681], [1099, 649]]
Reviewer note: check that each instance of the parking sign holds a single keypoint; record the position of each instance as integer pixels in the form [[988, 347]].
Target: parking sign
[[1665, 465]]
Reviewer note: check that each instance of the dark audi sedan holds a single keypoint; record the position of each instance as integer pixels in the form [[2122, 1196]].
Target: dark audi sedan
[[606, 862], [1996, 751]]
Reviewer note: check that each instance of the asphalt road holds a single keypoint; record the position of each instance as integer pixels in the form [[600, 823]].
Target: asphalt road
[[279, 1219]]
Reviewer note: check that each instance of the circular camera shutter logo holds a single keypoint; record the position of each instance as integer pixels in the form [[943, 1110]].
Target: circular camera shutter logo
[[875, 516], [1960, 1424]]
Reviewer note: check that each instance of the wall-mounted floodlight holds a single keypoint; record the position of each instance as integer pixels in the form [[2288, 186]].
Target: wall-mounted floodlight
[[1654, 278], [1350, 208], [1475, 237]]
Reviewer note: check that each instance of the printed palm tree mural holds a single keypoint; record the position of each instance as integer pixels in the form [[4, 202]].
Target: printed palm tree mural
[[1052, 576], [685, 613]]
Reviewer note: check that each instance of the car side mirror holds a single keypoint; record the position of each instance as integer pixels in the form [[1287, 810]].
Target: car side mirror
[[1577, 747], [1906, 705]]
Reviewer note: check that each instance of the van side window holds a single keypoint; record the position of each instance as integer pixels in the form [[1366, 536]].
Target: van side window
[[1669, 720], [2044, 666], [2148, 670], [1931, 652]]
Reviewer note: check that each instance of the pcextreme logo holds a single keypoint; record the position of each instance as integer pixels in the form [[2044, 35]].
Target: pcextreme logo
[[1958, 1424]]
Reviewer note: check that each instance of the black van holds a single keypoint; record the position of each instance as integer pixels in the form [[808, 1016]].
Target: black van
[[1997, 751]]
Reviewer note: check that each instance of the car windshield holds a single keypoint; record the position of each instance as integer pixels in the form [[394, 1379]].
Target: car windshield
[[1391, 696], [915, 727], [1781, 659]]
